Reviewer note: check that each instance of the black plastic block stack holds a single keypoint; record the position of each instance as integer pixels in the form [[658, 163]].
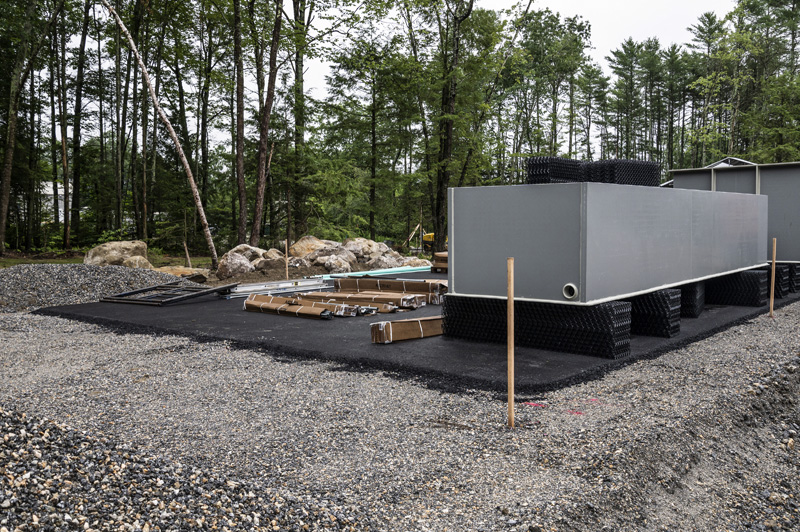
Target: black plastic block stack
[[601, 330], [782, 279], [553, 170], [745, 289], [657, 313], [619, 171], [794, 277], [693, 299]]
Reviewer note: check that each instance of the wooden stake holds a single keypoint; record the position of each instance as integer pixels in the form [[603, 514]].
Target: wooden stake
[[510, 319], [286, 257], [772, 285]]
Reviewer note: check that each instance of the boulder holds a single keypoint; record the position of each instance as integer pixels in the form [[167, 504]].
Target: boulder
[[321, 255], [384, 261], [365, 249], [137, 261], [251, 253], [306, 245], [269, 264], [233, 264], [416, 262], [296, 262], [273, 253], [115, 253], [337, 264]]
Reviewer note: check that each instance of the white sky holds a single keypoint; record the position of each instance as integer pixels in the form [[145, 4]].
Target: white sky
[[612, 22]]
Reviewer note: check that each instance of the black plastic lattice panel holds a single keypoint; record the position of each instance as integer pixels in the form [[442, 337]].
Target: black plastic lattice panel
[[693, 299], [553, 170], [745, 289], [601, 330], [657, 313], [619, 171], [782, 279], [794, 277]]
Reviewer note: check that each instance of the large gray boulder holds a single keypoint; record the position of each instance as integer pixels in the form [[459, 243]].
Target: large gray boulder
[[137, 261], [416, 262], [365, 249], [269, 264], [321, 255], [273, 253], [251, 253], [384, 261], [115, 253], [337, 264], [232, 264], [306, 245]]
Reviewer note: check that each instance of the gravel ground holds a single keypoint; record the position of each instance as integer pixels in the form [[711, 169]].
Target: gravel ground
[[701, 438], [31, 286]]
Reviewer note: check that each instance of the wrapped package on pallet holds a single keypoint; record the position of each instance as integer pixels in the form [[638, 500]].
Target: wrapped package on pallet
[[386, 332]]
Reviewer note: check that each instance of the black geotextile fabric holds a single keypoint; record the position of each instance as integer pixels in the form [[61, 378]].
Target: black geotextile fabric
[[782, 279], [657, 313], [745, 289], [602, 330], [619, 171], [794, 282], [693, 299]]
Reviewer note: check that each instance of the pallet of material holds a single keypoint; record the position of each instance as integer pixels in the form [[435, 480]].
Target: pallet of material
[[285, 309], [371, 284], [430, 298], [386, 332], [254, 301], [440, 262], [410, 301]]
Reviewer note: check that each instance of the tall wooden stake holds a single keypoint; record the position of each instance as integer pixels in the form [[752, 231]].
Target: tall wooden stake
[[510, 319], [772, 284], [286, 257]]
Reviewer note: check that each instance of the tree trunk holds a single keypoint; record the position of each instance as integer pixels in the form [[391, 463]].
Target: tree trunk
[[240, 185], [373, 163], [76, 128], [62, 104], [174, 136], [53, 152], [266, 113]]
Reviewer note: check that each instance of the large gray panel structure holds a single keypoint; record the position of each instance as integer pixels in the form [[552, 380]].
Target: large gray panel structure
[[779, 182], [607, 241]]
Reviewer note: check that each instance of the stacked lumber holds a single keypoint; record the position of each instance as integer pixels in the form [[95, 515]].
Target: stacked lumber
[[288, 309], [386, 332], [439, 262], [432, 291], [258, 302], [395, 299]]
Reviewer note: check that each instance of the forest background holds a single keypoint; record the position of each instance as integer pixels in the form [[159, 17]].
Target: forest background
[[422, 95]]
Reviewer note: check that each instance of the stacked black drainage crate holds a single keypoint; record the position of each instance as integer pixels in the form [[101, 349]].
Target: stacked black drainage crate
[[794, 280], [782, 279], [745, 289], [693, 299], [657, 313], [602, 330], [553, 170], [619, 171]]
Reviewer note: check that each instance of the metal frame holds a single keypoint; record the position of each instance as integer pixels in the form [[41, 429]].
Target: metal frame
[[165, 294], [276, 288]]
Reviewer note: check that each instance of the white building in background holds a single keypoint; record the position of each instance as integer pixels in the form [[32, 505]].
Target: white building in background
[[47, 200]]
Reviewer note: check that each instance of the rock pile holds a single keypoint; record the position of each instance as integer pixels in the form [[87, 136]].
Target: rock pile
[[354, 254], [57, 478], [130, 253]]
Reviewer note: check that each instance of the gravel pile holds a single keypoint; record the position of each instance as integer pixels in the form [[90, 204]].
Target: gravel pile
[[53, 477], [701, 438], [31, 286]]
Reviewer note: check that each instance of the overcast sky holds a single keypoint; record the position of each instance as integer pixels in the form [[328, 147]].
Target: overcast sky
[[612, 22]]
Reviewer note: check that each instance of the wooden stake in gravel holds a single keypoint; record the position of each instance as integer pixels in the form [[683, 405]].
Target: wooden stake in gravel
[[772, 284], [510, 319], [189, 176]]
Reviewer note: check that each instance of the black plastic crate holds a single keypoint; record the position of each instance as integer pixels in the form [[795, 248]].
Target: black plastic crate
[[744, 289], [657, 313], [600, 330], [693, 299]]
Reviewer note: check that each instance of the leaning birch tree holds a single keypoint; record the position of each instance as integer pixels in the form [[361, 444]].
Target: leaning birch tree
[[195, 194]]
